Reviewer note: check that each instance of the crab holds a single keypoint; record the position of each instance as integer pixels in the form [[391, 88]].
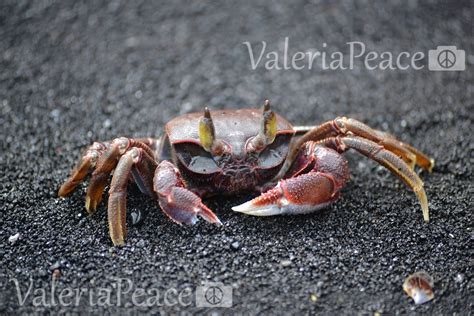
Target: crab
[[296, 170]]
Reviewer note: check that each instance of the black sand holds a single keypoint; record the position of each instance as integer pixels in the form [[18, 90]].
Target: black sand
[[73, 73]]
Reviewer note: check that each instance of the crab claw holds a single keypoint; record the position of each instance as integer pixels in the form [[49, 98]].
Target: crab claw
[[180, 204], [183, 206], [303, 194]]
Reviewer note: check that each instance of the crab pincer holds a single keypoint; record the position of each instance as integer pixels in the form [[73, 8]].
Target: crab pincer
[[303, 194], [313, 183], [180, 204]]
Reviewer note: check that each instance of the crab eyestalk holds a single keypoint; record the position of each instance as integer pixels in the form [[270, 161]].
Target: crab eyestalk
[[207, 135], [268, 130]]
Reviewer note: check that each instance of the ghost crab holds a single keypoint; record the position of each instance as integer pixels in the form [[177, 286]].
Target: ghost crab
[[296, 169]]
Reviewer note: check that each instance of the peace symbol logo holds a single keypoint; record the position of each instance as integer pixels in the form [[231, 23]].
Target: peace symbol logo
[[446, 59], [214, 295]]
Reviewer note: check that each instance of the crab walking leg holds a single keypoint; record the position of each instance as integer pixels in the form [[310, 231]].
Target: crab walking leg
[[387, 159], [300, 129], [422, 160], [407, 152], [103, 157], [143, 175], [133, 159], [152, 143], [180, 204], [344, 126], [84, 165], [320, 132], [117, 205], [105, 165]]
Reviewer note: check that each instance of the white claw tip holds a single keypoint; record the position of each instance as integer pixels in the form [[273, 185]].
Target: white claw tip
[[242, 208], [250, 209]]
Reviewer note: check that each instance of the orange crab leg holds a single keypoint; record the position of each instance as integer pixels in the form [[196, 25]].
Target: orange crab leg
[[342, 126], [84, 165], [105, 165], [133, 160], [387, 159]]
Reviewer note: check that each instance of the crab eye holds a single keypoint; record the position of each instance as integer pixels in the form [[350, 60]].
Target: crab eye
[[268, 130], [195, 158], [206, 130], [274, 154], [207, 135]]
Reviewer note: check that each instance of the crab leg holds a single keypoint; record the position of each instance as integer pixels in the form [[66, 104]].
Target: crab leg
[[180, 204], [117, 205], [103, 157], [387, 159], [405, 151], [105, 165], [344, 126], [133, 159], [84, 165]]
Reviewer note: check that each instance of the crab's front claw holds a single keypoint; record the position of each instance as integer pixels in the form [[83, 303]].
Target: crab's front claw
[[183, 206], [303, 194], [180, 204]]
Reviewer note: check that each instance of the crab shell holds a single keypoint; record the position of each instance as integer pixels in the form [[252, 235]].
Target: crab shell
[[235, 171]]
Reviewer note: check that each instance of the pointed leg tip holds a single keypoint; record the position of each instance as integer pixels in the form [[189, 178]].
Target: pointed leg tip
[[61, 192], [64, 190], [423, 199], [426, 212], [118, 242], [90, 205], [431, 166], [426, 217]]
